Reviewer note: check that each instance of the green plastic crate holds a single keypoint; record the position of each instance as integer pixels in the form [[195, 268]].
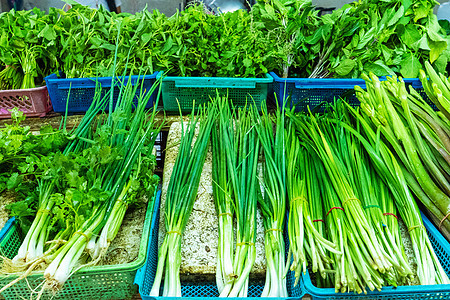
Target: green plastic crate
[[98, 282], [184, 90]]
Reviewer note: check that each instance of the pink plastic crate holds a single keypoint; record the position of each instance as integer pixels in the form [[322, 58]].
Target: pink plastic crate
[[33, 102]]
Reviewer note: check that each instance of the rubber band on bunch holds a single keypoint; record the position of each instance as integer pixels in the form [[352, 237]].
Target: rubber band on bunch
[[415, 227], [83, 234], [350, 199], [225, 214], [174, 231], [123, 201], [442, 221], [390, 214], [336, 207], [302, 198]]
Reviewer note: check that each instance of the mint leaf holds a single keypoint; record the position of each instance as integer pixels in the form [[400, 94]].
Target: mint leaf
[[410, 66], [345, 67]]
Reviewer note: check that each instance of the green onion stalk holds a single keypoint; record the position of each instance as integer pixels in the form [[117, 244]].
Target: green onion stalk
[[359, 176], [368, 255], [389, 223], [395, 176], [306, 221], [273, 203], [321, 248], [223, 169], [129, 195], [181, 195], [296, 192], [245, 187], [394, 112], [343, 273]]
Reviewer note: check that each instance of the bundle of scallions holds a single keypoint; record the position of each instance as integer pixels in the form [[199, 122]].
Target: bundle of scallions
[[306, 228], [88, 187], [180, 197], [365, 165], [235, 147], [273, 201]]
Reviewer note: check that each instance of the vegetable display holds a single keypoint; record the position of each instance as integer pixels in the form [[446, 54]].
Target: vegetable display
[[85, 190], [393, 37], [24, 157], [344, 187]]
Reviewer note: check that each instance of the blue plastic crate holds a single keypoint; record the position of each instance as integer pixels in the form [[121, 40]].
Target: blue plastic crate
[[198, 290], [80, 91], [302, 92], [315, 91], [419, 292]]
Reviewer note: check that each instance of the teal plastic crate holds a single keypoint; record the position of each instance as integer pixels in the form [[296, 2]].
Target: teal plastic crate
[[418, 292], [199, 290], [92, 283], [183, 91]]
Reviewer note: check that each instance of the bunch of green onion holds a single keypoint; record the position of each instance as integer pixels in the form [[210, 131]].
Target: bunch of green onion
[[273, 201], [235, 169], [223, 172], [306, 225], [180, 198]]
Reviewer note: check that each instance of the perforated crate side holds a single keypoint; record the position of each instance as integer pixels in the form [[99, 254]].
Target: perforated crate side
[[10, 239], [418, 292], [146, 276], [80, 91], [100, 282], [34, 102], [108, 285], [304, 92], [240, 91]]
